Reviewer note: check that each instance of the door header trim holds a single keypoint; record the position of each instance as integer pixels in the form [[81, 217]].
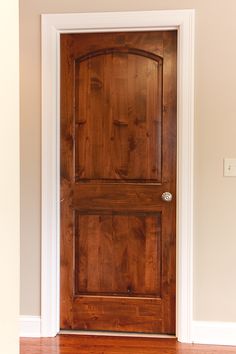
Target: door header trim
[[52, 26]]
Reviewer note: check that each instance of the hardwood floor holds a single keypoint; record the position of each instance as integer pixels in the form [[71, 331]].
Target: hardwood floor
[[77, 344]]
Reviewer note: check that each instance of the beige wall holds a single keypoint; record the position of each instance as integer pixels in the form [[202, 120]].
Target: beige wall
[[215, 129], [9, 177]]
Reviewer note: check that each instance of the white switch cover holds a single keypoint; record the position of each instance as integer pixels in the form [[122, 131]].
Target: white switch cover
[[230, 167]]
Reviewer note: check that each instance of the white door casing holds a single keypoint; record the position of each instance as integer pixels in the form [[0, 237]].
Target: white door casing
[[52, 26]]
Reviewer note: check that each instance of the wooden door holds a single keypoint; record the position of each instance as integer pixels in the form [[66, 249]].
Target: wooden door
[[118, 156]]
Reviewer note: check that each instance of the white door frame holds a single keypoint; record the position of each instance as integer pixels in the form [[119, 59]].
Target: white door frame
[[52, 26]]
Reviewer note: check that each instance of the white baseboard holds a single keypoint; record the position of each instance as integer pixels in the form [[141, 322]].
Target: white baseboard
[[218, 333], [203, 332], [30, 326]]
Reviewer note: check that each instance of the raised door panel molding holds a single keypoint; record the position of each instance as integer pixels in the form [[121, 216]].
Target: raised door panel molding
[[114, 254], [105, 82]]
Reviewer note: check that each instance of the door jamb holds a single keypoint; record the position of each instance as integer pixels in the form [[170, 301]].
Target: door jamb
[[52, 26]]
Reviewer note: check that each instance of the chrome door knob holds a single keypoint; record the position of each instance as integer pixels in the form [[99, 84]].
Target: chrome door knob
[[166, 196]]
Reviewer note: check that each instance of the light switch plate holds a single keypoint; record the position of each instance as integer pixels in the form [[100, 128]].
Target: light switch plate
[[230, 167]]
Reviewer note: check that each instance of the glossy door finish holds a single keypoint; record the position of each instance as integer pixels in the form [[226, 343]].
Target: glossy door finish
[[118, 156]]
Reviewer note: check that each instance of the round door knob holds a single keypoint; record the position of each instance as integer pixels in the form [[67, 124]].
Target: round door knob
[[166, 196]]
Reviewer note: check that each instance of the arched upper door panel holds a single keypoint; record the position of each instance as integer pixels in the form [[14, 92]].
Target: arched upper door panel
[[118, 96]]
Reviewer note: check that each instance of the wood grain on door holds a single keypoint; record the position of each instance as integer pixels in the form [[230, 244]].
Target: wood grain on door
[[118, 156]]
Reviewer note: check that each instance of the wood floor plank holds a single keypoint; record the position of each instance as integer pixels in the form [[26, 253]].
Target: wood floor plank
[[82, 344]]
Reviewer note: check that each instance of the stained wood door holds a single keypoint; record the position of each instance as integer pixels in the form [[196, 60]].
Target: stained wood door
[[118, 156]]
